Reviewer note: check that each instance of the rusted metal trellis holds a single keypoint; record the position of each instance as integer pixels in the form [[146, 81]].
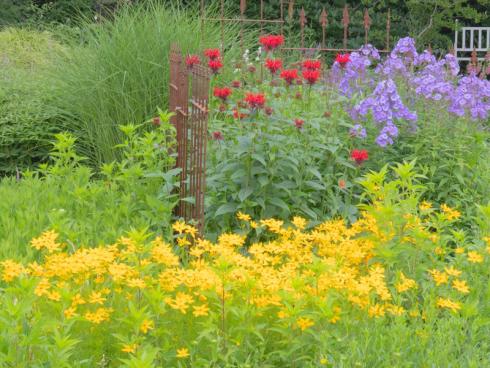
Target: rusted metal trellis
[[302, 21], [188, 99]]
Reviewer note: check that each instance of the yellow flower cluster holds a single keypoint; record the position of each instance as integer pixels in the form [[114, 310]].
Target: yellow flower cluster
[[290, 278]]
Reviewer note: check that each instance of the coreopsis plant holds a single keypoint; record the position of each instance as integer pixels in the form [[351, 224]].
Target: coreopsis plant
[[143, 301]]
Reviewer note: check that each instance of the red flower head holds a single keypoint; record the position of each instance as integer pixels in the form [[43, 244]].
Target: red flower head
[[217, 136], [192, 60], [215, 65], [273, 65], [212, 54], [311, 76], [359, 156], [255, 100], [342, 184], [222, 93], [342, 59], [271, 42], [299, 123], [289, 75], [236, 84], [268, 110], [252, 68], [311, 64]]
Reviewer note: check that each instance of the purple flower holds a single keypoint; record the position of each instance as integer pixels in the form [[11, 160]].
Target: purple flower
[[386, 106], [358, 131], [472, 95]]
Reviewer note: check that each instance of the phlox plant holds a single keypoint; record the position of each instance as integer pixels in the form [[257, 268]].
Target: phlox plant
[[401, 277]]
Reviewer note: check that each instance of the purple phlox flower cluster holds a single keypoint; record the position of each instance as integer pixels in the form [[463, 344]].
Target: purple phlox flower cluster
[[405, 49], [472, 95], [432, 82], [386, 106], [452, 64], [358, 131], [425, 57], [351, 81], [401, 57], [370, 52]]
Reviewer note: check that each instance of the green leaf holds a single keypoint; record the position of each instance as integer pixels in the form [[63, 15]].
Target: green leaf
[[244, 193], [226, 208]]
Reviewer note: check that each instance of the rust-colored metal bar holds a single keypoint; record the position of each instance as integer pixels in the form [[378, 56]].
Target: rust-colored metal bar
[[261, 17], [222, 23], [302, 23], [282, 16], [324, 24], [367, 26], [243, 7], [246, 20], [345, 23], [291, 9], [326, 49], [388, 26]]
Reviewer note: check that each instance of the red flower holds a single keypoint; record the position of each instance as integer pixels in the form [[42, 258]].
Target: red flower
[[236, 84], [311, 76], [327, 114], [217, 136], [359, 156], [192, 60], [252, 68], [273, 65], [212, 54], [311, 64], [255, 100], [222, 93], [271, 42], [268, 110], [215, 65], [289, 75], [342, 59], [342, 184], [299, 123]]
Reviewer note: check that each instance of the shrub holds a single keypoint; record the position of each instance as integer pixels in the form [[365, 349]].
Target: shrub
[[67, 197], [401, 278]]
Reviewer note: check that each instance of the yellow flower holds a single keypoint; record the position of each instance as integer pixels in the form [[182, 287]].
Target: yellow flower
[[299, 222], [461, 286], [179, 227], [475, 257], [449, 304], [243, 216], [181, 302], [323, 361], [450, 213], [136, 283], [425, 206], [54, 295], [129, 348], [451, 271], [100, 315], [96, 298], [304, 323], [439, 251], [282, 314], [70, 312], [42, 288], [48, 241], [200, 310], [182, 353], [146, 326], [11, 270], [459, 250], [405, 284], [439, 277], [376, 310]]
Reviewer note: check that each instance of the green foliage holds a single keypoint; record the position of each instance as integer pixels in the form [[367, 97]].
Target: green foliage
[[120, 73], [267, 167], [136, 192], [27, 119]]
